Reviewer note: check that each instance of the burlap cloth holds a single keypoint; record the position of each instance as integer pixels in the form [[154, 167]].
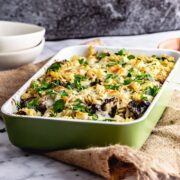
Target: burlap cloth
[[159, 158]]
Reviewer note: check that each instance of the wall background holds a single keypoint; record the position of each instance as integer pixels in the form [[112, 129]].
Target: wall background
[[84, 18]]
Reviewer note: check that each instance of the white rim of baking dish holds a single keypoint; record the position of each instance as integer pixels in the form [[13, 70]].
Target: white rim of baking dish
[[41, 71]]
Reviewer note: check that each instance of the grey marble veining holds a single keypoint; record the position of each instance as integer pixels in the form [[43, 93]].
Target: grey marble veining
[[16, 164], [85, 18]]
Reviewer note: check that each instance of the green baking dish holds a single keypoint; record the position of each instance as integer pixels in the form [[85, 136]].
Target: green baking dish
[[45, 134]]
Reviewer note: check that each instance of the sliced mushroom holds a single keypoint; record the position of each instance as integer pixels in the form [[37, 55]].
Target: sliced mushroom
[[110, 105], [113, 111], [97, 81], [106, 101], [42, 108], [137, 108], [94, 108], [21, 112]]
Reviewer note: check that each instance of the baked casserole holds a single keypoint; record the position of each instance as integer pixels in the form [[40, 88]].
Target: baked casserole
[[104, 86]]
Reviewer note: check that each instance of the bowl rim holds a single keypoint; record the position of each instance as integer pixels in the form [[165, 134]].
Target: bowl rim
[[39, 29], [25, 50], [57, 57]]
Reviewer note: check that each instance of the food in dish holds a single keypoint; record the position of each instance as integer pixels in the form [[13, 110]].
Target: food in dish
[[102, 86]]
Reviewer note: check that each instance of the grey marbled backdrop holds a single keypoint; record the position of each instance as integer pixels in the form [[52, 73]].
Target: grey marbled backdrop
[[85, 18]]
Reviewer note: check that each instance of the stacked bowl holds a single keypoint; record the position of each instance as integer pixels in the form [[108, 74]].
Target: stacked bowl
[[20, 43]]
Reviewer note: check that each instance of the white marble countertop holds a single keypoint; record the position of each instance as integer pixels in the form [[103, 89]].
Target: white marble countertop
[[16, 164]]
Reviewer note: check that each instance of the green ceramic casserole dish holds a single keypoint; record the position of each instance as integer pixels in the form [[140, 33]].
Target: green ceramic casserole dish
[[45, 134]]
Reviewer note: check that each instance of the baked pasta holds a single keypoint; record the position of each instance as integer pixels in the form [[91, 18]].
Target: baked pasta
[[102, 86]]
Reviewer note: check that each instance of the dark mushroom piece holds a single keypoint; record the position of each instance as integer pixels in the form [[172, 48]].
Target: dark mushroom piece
[[106, 101], [21, 112], [113, 111], [24, 102], [110, 105], [137, 108], [94, 108], [42, 108], [97, 81]]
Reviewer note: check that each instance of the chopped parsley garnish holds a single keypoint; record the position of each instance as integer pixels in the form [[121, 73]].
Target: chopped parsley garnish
[[130, 71], [79, 77], [139, 77], [50, 91], [46, 86], [59, 105], [149, 77], [79, 106], [131, 57], [127, 81], [43, 86], [83, 62], [143, 97], [112, 63], [129, 74], [69, 85], [121, 52], [35, 86], [77, 82], [122, 63], [111, 76], [32, 104], [113, 87], [152, 91], [56, 82], [144, 76], [63, 93], [78, 86], [102, 55], [54, 67]]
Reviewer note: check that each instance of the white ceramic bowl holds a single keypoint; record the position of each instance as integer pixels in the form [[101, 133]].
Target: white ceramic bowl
[[15, 36], [18, 58]]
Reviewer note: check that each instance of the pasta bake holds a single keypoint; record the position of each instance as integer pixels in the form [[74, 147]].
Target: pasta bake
[[103, 86]]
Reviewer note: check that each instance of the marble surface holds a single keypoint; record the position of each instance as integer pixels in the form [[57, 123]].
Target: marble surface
[[84, 18], [16, 164]]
